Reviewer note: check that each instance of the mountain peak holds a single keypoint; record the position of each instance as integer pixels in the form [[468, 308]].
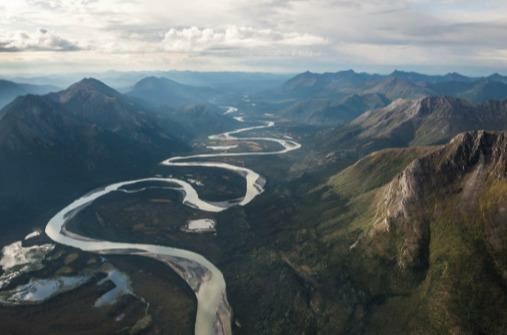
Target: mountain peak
[[399, 72], [481, 144], [438, 100], [88, 85], [162, 91], [428, 120], [396, 78], [306, 74], [496, 75], [455, 76], [349, 71], [153, 80], [406, 74]]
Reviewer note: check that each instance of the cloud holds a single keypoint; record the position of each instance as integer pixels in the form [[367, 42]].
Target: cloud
[[41, 40], [321, 35], [194, 39]]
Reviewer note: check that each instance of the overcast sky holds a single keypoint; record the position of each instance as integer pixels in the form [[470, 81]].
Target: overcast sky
[[52, 36]]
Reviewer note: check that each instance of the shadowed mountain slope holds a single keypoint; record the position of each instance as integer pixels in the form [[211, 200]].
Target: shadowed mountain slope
[[429, 120], [73, 140]]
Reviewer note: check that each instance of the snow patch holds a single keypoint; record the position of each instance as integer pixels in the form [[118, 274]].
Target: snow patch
[[200, 226]]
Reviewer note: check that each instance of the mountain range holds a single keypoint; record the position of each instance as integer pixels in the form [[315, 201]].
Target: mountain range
[[390, 219], [333, 111], [315, 93], [396, 85], [425, 121]]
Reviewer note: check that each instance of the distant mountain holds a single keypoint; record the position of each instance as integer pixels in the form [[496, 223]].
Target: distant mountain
[[422, 238], [497, 77], [484, 90], [9, 90], [415, 77], [454, 76], [394, 87], [397, 85], [159, 91], [423, 79], [314, 84], [335, 98], [230, 82], [331, 111], [453, 87], [226, 82], [428, 120], [95, 102], [56, 144], [200, 120]]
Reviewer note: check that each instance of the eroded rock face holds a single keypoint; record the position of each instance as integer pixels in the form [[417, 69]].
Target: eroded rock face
[[429, 120], [468, 165]]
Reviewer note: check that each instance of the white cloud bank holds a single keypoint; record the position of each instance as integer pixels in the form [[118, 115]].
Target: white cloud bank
[[40, 40], [264, 35], [233, 37]]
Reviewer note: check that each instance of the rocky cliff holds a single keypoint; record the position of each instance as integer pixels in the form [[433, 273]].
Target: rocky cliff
[[469, 166]]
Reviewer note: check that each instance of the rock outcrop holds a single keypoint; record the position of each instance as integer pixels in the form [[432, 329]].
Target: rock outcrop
[[468, 166]]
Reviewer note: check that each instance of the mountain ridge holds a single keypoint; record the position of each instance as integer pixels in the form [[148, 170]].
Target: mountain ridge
[[423, 239], [428, 120], [79, 137]]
